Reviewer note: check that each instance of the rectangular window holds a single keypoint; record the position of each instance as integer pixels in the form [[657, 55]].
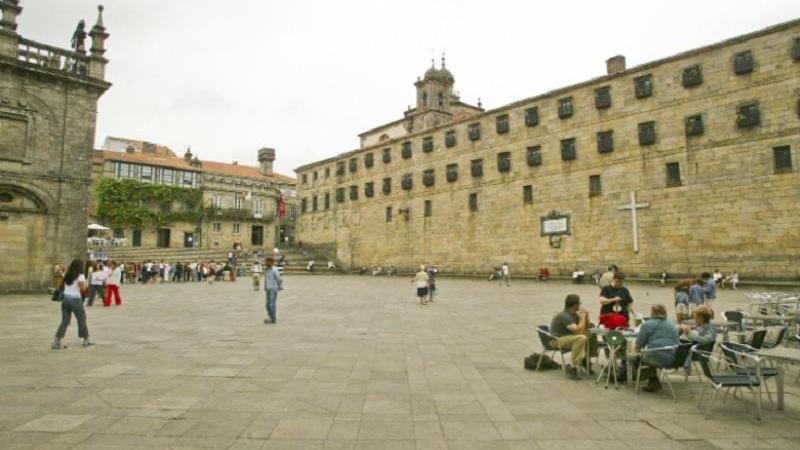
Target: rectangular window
[[743, 63], [387, 186], [188, 178], [473, 201], [535, 155], [450, 139], [340, 168], [427, 144], [602, 97], [783, 158], [353, 193], [527, 193], [532, 116], [694, 125], [305, 178], [568, 149], [237, 228], [218, 201], [314, 203], [565, 108], [796, 49], [673, 174], [476, 167], [428, 178], [748, 116], [387, 155], [316, 175], [146, 173], [123, 170], [407, 182], [327, 200], [647, 133], [504, 162], [388, 213], [303, 205], [327, 172], [605, 141], [237, 200], [216, 227], [119, 233], [428, 208], [501, 124], [452, 172], [369, 189], [369, 160], [406, 150], [692, 76], [258, 206], [339, 195], [167, 176], [643, 86], [595, 186], [353, 165], [474, 131]]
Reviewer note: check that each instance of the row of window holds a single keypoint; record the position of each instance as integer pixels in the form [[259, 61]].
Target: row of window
[[782, 158], [216, 227], [238, 202], [155, 174], [692, 76], [747, 116]]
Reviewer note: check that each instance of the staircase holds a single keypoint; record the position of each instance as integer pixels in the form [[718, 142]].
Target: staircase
[[297, 261]]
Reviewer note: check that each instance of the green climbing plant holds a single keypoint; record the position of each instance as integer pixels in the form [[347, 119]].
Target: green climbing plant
[[135, 204]]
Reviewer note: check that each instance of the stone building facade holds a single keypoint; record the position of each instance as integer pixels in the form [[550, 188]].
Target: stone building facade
[[704, 144], [242, 203], [48, 108]]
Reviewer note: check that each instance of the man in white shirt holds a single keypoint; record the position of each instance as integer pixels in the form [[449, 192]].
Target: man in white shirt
[[506, 272], [256, 273]]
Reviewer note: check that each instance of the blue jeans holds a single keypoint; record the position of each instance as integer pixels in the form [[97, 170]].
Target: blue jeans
[[272, 296], [70, 306]]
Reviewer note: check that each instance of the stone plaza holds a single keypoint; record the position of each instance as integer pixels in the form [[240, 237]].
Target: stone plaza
[[353, 363]]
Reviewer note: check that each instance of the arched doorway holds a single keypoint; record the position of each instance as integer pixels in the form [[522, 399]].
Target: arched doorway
[[26, 242]]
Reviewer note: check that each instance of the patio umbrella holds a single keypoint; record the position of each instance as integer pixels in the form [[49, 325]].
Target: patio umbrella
[[96, 226]]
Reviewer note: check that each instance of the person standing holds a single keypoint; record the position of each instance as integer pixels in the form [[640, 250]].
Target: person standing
[[710, 291], [272, 284], [255, 271], [112, 285], [734, 279], [421, 281], [432, 271], [96, 280], [506, 272], [74, 282]]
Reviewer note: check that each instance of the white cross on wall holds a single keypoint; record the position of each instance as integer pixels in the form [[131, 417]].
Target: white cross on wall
[[633, 206]]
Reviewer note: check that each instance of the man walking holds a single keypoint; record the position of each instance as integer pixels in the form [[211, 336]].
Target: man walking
[[272, 284]]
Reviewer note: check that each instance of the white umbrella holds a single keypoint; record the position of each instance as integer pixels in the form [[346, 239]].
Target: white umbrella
[[96, 226]]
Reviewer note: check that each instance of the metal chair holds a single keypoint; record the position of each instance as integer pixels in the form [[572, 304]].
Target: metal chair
[[758, 339], [614, 341], [735, 318], [727, 382], [694, 358], [735, 356], [546, 337], [681, 352], [767, 344]]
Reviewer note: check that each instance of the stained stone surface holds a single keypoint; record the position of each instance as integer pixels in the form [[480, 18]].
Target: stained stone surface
[[353, 363]]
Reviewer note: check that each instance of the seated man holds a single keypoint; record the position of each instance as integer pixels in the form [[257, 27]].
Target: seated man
[[569, 327], [657, 332]]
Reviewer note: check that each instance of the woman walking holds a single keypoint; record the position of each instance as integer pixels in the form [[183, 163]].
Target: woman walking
[[421, 281], [71, 303]]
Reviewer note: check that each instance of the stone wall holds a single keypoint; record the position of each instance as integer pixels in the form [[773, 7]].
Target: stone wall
[[47, 168], [731, 210]]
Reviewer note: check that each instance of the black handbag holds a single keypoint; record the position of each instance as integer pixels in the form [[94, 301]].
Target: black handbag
[[58, 295]]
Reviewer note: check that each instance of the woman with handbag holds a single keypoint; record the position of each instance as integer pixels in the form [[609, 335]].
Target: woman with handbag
[[71, 303]]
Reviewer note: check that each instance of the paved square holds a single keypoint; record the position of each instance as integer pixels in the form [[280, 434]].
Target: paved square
[[353, 363]]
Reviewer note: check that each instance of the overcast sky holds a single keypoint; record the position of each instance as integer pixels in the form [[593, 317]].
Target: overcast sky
[[306, 77]]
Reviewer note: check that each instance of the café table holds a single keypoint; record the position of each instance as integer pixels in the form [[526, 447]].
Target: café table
[[782, 356], [630, 336]]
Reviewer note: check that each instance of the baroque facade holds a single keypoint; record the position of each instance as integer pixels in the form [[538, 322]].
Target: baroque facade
[[241, 204], [48, 109], [684, 164]]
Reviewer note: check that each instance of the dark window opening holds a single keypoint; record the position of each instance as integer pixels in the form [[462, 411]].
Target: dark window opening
[[353, 165], [748, 116], [428, 178], [568, 149], [474, 132], [340, 195], [535, 155], [427, 144], [605, 141], [527, 194], [353, 192], [501, 124], [504, 162], [407, 182], [643, 86], [327, 200], [476, 167], [388, 213], [694, 125], [428, 208], [692, 76], [387, 186], [532, 116], [406, 150], [450, 139], [565, 108], [473, 201], [452, 172], [314, 203], [340, 168], [369, 189], [647, 133], [595, 186], [743, 63], [783, 158], [369, 160], [387, 155], [602, 98], [673, 174]]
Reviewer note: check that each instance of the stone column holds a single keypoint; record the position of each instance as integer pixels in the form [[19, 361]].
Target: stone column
[[97, 63], [9, 39]]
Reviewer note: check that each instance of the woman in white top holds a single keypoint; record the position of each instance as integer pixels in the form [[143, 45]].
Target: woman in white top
[[71, 303], [96, 280], [112, 285]]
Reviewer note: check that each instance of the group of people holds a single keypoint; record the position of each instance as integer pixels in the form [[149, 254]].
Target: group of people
[[378, 270], [502, 274], [104, 280], [569, 328], [178, 272], [694, 292]]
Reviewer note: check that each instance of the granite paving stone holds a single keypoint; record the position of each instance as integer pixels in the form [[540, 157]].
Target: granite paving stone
[[354, 363]]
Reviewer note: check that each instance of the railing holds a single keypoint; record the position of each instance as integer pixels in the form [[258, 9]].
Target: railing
[[52, 58]]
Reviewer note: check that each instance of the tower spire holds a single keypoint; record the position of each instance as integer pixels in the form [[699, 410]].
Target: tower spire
[[442, 60]]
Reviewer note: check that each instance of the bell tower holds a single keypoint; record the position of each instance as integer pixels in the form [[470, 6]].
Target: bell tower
[[435, 89]]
